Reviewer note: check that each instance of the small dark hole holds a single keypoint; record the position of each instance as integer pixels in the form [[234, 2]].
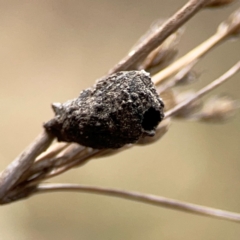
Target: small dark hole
[[151, 118]]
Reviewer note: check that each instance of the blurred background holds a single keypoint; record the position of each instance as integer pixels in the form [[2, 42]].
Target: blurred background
[[49, 51]]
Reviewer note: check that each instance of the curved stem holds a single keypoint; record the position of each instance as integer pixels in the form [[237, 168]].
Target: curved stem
[[140, 197]]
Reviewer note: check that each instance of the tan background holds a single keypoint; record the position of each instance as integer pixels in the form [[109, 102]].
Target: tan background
[[49, 51]]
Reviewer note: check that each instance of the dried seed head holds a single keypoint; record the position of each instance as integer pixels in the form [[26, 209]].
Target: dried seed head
[[185, 76], [164, 54], [190, 109], [231, 25], [116, 111], [218, 109], [189, 78]]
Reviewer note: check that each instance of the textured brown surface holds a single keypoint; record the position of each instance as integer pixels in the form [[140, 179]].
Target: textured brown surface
[[116, 111]]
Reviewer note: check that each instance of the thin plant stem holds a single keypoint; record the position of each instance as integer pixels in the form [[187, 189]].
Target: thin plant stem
[[205, 90], [227, 28], [23, 162], [164, 31], [142, 197], [182, 62]]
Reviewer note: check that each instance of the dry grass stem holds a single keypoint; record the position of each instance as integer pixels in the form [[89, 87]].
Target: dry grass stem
[[22, 163], [228, 28], [164, 31], [205, 90], [181, 76], [142, 197], [40, 161]]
